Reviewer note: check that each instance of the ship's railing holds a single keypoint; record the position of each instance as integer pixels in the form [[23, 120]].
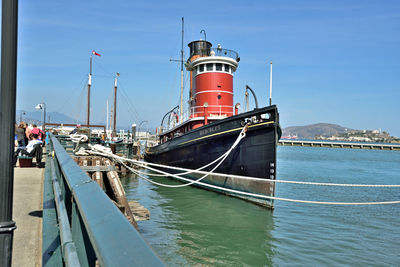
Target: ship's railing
[[222, 52], [212, 110], [81, 225]]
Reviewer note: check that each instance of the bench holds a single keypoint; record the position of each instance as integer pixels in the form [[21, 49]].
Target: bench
[[25, 161]]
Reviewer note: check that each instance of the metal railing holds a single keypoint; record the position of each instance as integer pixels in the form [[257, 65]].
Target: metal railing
[[192, 112], [212, 110], [91, 229], [217, 52]]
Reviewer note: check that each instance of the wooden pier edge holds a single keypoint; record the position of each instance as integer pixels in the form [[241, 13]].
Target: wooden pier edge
[[104, 172]]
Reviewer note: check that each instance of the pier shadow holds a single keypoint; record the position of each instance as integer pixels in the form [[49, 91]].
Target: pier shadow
[[36, 213]]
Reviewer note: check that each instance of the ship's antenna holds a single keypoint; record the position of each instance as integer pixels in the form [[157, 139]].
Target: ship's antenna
[[270, 85]]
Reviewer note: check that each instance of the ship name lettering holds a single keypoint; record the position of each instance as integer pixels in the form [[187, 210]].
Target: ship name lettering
[[210, 130]]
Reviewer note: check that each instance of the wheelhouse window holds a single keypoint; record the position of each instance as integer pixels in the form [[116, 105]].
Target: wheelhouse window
[[227, 67], [201, 68], [210, 67], [218, 67]]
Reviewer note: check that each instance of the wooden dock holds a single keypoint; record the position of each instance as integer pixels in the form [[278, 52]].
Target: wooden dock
[[335, 144]]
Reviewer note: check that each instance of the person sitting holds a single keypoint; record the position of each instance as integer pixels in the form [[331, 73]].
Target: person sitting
[[33, 149], [76, 129], [38, 132]]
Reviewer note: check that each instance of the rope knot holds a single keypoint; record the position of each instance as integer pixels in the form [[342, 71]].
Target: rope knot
[[246, 127]]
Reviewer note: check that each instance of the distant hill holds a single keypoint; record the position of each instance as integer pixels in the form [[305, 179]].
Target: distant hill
[[313, 130], [37, 117]]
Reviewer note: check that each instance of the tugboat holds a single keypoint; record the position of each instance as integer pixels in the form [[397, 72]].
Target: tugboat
[[213, 125]]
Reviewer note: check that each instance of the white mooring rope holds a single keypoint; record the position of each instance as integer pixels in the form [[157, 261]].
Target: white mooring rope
[[222, 158], [144, 165], [97, 151], [263, 196]]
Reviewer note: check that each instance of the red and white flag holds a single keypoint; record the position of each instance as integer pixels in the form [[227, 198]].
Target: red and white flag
[[96, 54]]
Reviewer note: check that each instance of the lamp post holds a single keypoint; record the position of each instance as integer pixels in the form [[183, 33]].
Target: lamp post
[[42, 106], [20, 115], [9, 31]]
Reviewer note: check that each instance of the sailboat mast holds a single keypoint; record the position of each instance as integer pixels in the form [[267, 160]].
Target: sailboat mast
[[88, 95], [115, 105], [182, 56], [107, 117]]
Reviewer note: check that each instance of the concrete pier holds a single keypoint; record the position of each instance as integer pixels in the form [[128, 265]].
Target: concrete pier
[[27, 213], [317, 143]]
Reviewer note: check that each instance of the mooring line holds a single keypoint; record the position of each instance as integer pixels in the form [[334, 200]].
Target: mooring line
[[225, 155], [144, 165], [121, 159], [103, 152], [271, 197]]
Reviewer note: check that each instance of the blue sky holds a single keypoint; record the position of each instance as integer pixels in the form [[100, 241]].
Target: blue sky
[[333, 61]]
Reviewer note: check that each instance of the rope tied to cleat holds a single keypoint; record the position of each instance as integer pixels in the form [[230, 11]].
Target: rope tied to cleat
[[221, 159]]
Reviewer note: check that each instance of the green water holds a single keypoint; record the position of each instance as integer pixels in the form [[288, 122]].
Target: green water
[[194, 227]]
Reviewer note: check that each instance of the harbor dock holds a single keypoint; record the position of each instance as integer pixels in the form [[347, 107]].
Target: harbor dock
[[64, 217], [27, 206], [317, 143]]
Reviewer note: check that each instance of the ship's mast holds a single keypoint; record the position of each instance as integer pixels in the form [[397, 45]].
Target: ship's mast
[[107, 117], [88, 95], [182, 56], [181, 61], [115, 105]]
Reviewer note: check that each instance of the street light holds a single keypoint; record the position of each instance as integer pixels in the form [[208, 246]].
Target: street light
[[20, 115], [42, 106]]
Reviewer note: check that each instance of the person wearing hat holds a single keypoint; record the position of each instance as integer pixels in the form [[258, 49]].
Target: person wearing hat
[[37, 131], [33, 149]]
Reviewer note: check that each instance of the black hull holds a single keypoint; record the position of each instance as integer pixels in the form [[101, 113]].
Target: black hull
[[255, 156]]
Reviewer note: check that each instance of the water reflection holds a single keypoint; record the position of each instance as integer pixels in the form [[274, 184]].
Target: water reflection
[[192, 226]]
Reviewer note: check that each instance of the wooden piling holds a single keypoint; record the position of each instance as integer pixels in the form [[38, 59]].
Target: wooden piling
[[97, 168]]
